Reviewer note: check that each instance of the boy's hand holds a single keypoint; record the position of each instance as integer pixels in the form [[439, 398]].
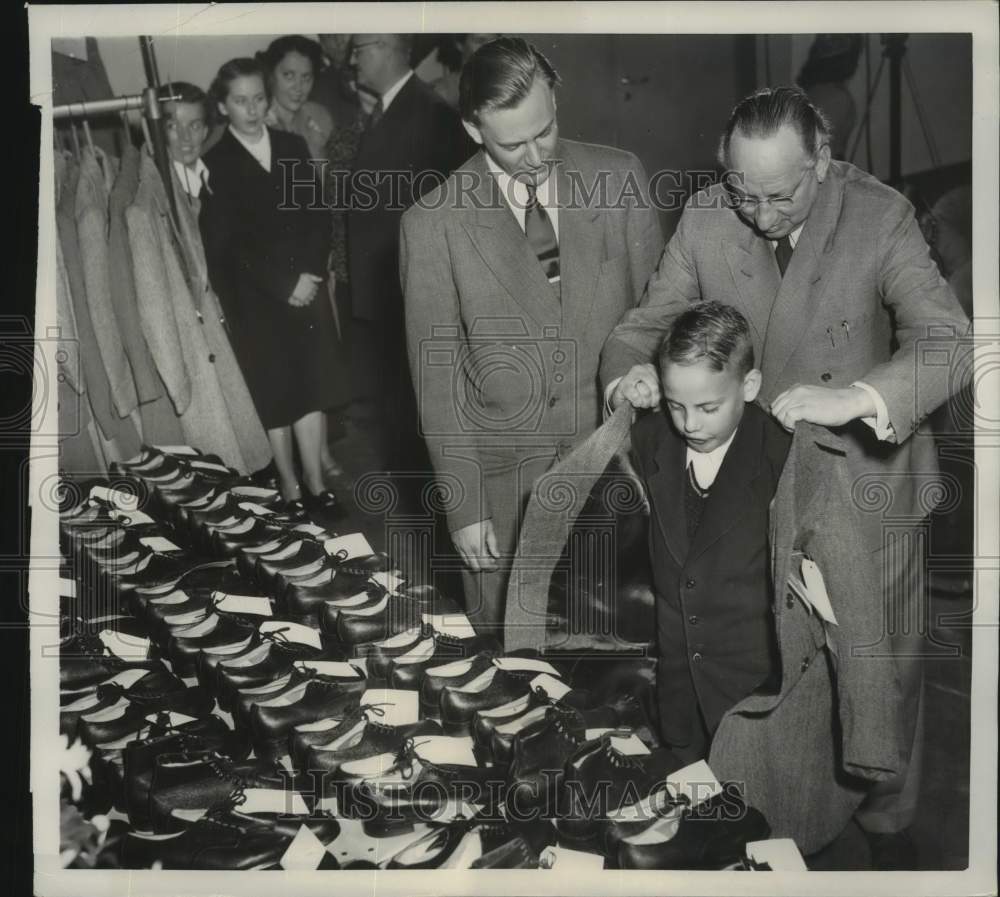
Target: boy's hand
[[820, 405], [640, 387]]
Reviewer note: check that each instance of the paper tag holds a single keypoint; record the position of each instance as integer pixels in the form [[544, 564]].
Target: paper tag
[[310, 528], [781, 854], [553, 687], [132, 518], [256, 509], [274, 800], [455, 625], [176, 450], [243, 604], [387, 579], [650, 807], [209, 465], [696, 781], [124, 501], [175, 718], [401, 706], [443, 749], [565, 860], [67, 587], [632, 746], [175, 597], [355, 546], [305, 852], [524, 663], [816, 589], [159, 544], [338, 668], [125, 646], [591, 734], [258, 492], [295, 632]]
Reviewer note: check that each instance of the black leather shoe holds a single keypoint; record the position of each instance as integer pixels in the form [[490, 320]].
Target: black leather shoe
[[184, 646], [407, 671], [194, 702], [202, 781], [326, 503], [316, 699], [400, 612], [598, 778], [305, 561], [342, 579], [229, 542], [203, 578], [455, 673], [153, 686], [712, 835], [209, 734], [246, 559], [85, 662], [490, 689]]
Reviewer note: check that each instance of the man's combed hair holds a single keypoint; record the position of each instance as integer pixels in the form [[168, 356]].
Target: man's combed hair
[[765, 112], [500, 75], [711, 332]]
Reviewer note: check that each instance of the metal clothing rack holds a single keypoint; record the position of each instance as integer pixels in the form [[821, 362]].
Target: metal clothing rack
[[148, 102]]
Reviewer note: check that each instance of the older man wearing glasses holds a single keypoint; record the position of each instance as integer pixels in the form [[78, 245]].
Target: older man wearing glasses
[[830, 268]]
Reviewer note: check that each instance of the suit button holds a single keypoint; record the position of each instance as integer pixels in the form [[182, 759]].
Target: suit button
[[694, 620], [211, 358], [805, 665], [789, 602], [696, 657], [552, 402], [690, 584], [826, 377]]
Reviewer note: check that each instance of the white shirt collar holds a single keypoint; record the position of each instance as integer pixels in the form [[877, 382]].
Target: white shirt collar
[[389, 95], [515, 193], [793, 237], [192, 177], [707, 464], [261, 150]]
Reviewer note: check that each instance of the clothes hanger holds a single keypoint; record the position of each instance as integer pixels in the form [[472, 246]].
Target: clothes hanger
[[76, 138]]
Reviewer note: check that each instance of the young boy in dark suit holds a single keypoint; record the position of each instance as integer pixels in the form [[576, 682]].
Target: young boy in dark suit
[[711, 465]]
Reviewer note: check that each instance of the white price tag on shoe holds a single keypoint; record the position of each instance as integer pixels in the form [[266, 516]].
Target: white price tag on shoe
[[444, 749], [159, 544], [554, 688], [781, 854], [174, 718], [127, 647], [311, 529], [243, 604], [509, 664], [354, 545], [124, 501], [257, 510], [128, 678], [399, 706], [455, 625], [274, 800], [306, 851], [696, 782], [389, 580], [630, 746], [340, 669], [295, 632], [259, 493]]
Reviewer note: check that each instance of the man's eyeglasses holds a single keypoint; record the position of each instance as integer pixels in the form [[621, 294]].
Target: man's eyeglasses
[[742, 202]]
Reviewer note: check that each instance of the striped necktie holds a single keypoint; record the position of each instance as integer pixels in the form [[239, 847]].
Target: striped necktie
[[542, 236]]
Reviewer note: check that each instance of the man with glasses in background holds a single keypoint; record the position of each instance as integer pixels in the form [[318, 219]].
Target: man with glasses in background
[[829, 266]]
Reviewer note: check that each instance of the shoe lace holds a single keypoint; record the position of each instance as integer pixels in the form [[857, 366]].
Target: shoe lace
[[562, 719]]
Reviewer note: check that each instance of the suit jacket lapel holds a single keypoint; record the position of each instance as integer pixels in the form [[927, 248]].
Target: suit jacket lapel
[[503, 247], [581, 238], [666, 488], [731, 493], [755, 272], [795, 305]]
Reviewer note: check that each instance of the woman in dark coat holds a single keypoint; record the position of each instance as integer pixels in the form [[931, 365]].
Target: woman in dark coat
[[266, 236]]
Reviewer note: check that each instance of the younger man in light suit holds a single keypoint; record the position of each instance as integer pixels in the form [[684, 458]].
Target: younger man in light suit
[[710, 473]]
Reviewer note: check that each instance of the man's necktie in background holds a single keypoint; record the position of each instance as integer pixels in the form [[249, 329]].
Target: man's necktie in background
[[783, 254], [542, 236]]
